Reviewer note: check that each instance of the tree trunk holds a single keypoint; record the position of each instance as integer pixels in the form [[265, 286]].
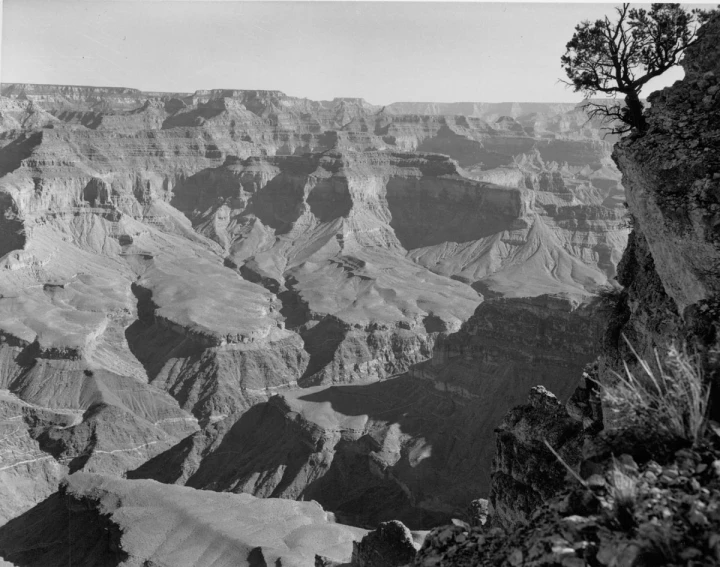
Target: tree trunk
[[635, 112]]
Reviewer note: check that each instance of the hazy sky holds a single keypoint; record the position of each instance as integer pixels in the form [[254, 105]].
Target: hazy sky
[[381, 51]]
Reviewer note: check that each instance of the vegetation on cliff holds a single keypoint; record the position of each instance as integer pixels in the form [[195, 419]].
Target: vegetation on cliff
[[622, 56]]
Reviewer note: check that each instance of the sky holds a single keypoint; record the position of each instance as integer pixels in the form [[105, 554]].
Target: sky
[[381, 51]]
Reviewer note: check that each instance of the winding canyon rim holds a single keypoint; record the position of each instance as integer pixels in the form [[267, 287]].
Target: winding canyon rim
[[248, 317]]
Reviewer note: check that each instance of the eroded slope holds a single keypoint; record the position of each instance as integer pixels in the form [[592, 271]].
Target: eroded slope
[[169, 258]]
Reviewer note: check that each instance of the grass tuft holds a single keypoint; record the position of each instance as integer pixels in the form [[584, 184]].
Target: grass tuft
[[671, 400], [624, 493]]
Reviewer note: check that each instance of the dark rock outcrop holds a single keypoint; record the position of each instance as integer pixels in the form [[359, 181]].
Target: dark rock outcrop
[[525, 472], [389, 545], [506, 348]]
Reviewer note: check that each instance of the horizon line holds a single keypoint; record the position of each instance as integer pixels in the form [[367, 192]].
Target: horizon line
[[196, 91]]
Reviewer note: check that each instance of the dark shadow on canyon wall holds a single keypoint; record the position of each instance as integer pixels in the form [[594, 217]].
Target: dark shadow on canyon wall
[[11, 156]]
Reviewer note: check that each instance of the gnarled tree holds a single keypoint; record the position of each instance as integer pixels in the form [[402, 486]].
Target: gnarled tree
[[621, 56]]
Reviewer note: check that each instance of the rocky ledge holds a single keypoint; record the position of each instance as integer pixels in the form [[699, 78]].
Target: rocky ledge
[[626, 516], [98, 520]]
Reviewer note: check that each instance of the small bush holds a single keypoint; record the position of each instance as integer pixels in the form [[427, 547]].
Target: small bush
[[671, 401]]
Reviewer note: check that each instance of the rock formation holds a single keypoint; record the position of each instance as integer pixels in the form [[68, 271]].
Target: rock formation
[[390, 545], [100, 520]]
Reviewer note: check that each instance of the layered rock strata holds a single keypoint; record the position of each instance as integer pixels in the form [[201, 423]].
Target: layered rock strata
[[377, 452], [171, 261]]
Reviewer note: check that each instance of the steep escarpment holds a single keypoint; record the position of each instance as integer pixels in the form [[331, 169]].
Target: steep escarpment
[[669, 269], [672, 177], [507, 347]]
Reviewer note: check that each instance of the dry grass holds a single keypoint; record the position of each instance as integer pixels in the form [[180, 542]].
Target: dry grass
[[624, 493], [670, 401], [623, 486]]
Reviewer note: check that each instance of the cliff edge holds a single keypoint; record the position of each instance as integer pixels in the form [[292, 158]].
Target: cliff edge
[[671, 267]]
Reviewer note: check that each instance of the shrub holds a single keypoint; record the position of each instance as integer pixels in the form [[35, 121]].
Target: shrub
[[670, 401]]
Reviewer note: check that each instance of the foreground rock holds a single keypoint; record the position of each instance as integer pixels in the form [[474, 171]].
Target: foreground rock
[[525, 472], [630, 515], [99, 520], [390, 545]]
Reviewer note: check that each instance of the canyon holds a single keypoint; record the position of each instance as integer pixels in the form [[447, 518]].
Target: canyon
[[245, 292]]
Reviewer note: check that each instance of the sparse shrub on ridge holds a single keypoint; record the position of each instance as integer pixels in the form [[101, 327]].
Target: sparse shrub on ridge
[[670, 401]]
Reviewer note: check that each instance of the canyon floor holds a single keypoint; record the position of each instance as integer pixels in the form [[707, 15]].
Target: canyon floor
[[245, 292]]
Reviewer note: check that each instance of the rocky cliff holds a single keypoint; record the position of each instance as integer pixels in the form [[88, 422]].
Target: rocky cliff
[[671, 269]]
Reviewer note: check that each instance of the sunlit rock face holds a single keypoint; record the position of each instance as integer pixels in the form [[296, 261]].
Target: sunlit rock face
[[171, 261], [121, 522]]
